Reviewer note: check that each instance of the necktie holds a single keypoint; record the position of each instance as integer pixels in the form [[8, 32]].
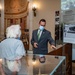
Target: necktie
[[39, 34]]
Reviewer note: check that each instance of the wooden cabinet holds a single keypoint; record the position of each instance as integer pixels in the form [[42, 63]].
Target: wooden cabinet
[[65, 50]]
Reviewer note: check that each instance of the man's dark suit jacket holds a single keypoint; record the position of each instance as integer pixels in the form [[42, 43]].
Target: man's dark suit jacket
[[42, 42]]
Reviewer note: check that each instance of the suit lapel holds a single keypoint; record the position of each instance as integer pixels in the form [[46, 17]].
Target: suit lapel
[[36, 35]]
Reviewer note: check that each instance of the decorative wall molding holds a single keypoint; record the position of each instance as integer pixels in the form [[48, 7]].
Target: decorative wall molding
[[16, 9], [15, 6], [17, 15]]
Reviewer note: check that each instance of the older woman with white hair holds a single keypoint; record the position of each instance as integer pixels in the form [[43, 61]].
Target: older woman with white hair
[[12, 48]]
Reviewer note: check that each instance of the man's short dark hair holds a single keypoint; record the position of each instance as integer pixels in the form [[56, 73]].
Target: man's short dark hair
[[43, 20]]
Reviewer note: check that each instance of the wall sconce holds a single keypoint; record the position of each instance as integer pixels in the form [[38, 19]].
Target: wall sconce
[[34, 60], [0, 13], [0, 10], [34, 9]]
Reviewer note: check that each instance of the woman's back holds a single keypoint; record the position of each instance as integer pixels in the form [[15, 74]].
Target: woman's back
[[12, 49]]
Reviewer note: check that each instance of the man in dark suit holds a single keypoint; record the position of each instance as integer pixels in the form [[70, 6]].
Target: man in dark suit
[[40, 39]]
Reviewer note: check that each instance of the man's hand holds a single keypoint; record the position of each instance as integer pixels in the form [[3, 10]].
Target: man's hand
[[53, 47], [35, 45]]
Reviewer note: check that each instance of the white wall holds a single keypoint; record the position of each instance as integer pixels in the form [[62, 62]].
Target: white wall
[[30, 22], [2, 18], [46, 9]]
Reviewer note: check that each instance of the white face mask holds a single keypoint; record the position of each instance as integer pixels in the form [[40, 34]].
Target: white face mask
[[41, 27]]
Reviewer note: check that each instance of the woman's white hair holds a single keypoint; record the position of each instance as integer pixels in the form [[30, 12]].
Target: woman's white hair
[[13, 31]]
